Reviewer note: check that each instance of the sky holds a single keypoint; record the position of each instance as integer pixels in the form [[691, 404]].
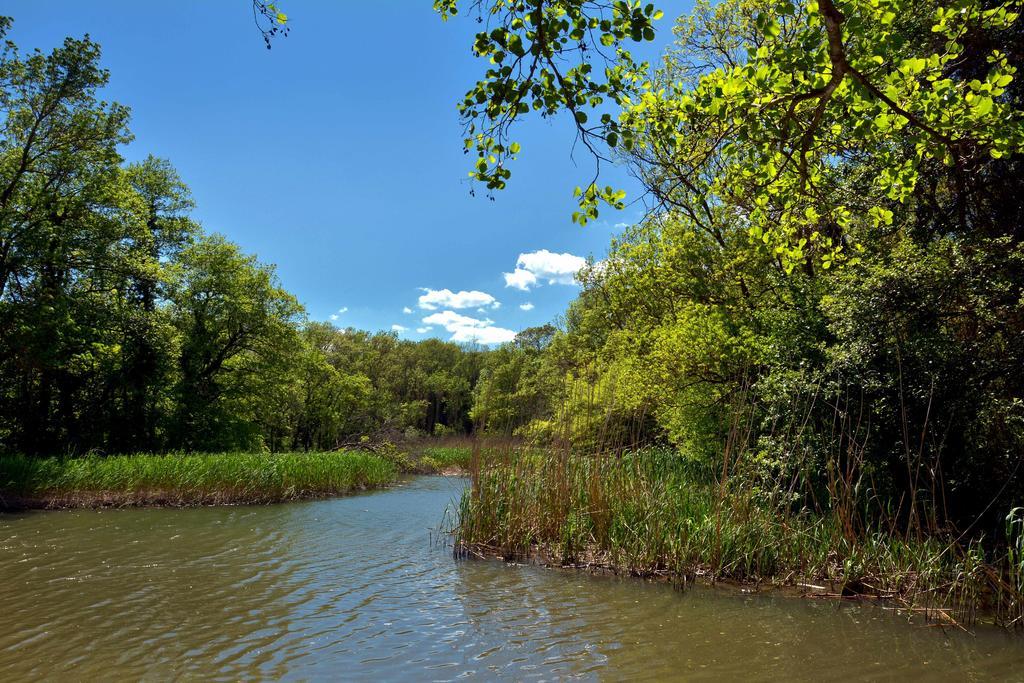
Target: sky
[[337, 156]]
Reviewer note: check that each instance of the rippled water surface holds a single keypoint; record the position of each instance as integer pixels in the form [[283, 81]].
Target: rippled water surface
[[353, 588]]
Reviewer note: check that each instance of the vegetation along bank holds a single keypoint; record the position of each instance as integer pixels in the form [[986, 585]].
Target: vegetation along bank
[[817, 320], [804, 362], [186, 479]]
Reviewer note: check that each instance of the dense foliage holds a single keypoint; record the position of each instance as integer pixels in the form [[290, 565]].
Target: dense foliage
[[125, 328], [187, 479], [826, 300], [824, 303]]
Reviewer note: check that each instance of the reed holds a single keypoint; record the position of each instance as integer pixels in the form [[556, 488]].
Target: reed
[[657, 513], [446, 458], [192, 479]]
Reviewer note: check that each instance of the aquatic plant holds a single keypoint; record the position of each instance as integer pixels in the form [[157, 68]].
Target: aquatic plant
[[443, 458], [659, 513], [187, 479]]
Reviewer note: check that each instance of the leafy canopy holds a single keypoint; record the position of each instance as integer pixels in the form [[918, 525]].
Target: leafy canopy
[[768, 104]]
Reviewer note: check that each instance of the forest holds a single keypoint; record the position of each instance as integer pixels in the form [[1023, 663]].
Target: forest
[[821, 315], [125, 327], [819, 319], [830, 283]]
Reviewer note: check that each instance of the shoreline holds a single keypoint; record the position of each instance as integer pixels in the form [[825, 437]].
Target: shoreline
[[240, 495], [188, 480], [543, 558], [654, 515], [113, 500]]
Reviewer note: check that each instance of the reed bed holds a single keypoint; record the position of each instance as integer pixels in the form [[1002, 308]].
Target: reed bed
[[192, 479], [446, 458], [656, 513]]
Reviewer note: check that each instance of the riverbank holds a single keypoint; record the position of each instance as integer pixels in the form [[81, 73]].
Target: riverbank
[[187, 479], [448, 460], [353, 584], [181, 480], [660, 515]]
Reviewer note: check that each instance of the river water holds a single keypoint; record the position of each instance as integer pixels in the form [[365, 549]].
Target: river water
[[354, 589]]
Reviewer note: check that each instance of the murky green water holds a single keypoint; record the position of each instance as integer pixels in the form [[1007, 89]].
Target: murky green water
[[353, 589]]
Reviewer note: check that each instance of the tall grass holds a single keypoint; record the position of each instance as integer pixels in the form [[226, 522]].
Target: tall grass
[[658, 513], [177, 479], [446, 458]]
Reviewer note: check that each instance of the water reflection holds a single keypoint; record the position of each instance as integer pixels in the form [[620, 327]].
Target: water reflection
[[352, 588]]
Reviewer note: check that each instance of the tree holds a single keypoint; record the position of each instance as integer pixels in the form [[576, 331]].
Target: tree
[[236, 323], [148, 336], [768, 102], [64, 212], [830, 279]]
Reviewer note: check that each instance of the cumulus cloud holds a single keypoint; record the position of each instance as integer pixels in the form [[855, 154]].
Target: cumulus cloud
[[526, 307], [343, 309], [483, 335], [424, 330], [433, 299], [464, 328], [536, 267], [520, 279], [407, 310], [399, 328], [449, 319], [334, 316]]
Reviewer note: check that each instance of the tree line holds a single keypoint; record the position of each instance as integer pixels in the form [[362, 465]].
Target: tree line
[[125, 328], [826, 295]]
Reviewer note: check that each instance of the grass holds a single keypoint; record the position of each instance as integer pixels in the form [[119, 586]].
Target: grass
[[437, 455], [656, 513], [446, 458], [177, 479]]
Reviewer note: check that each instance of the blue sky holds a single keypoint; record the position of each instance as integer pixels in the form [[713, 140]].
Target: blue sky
[[337, 156]]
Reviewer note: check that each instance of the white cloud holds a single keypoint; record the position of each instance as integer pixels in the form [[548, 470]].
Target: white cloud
[[343, 309], [334, 316], [433, 299], [621, 226], [407, 310], [483, 335], [526, 307], [424, 330], [399, 328], [520, 279], [449, 319], [536, 267], [464, 328]]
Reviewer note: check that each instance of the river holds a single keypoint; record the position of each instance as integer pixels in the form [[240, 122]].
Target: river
[[356, 589]]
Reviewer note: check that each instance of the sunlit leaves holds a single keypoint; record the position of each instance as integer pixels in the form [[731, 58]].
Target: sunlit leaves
[[759, 108], [780, 122], [270, 20], [541, 59]]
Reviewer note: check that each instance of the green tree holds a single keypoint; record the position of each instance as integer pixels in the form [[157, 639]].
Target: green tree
[[149, 339], [64, 215], [778, 141], [236, 323]]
